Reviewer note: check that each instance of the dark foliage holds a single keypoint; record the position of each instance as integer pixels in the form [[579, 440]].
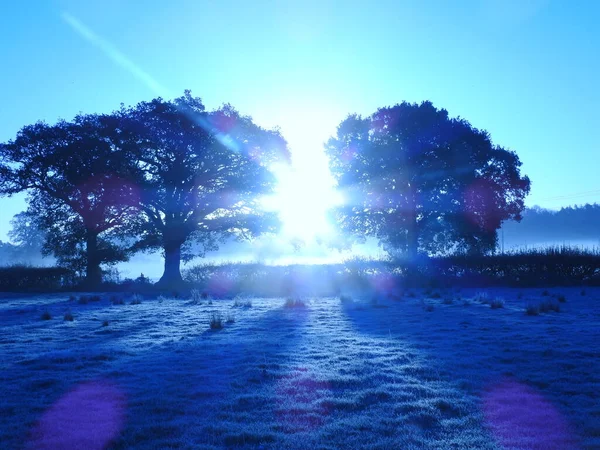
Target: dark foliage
[[79, 183], [22, 278], [420, 181], [201, 176]]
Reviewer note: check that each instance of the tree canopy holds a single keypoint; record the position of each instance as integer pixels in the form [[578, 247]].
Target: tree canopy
[[202, 176], [80, 188], [419, 180]]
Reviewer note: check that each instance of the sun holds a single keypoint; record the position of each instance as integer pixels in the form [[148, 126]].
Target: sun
[[302, 201], [306, 190]]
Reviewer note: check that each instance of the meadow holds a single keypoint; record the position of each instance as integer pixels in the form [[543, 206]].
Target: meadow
[[496, 368]]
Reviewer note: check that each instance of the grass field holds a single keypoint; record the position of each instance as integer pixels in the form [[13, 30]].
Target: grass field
[[418, 369]]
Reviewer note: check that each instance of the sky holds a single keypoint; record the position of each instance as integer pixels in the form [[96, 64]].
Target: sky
[[525, 70]]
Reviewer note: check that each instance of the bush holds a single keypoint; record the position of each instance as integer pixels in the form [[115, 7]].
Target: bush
[[561, 298], [136, 300], [545, 293], [46, 315], [230, 318], [83, 300], [448, 301], [105, 323], [69, 317]]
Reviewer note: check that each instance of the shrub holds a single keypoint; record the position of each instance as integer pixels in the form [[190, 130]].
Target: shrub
[[230, 318], [436, 295], [95, 298], [204, 295], [532, 310], [46, 315], [549, 305], [497, 303], [411, 294], [428, 308], [83, 300], [294, 303], [160, 298], [520, 295], [105, 323], [136, 300], [561, 298], [448, 301], [583, 292], [216, 321], [69, 317], [72, 298], [545, 293]]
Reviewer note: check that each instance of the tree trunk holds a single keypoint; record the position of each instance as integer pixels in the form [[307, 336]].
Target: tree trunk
[[93, 273], [172, 274]]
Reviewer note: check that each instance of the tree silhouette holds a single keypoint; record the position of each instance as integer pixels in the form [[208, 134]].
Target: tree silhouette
[[420, 181], [202, 176], [79, 193]]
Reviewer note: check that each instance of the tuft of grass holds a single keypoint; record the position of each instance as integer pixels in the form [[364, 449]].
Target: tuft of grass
[[411, 294], [116, 300], [466, 302], [204, 295], [448, 301], [497, 303], [583, 292], [532, 310], [436, 295], [239, 303], [105, 323], [83, 300], [46, 315], [72, 298], [482, 297], [230, 318], [69, 317], [216, 321], [294, 303], [549, 305], [196, 296], [346, 299], [161, 298], [428, 308], [135, 300], [561, 298], [520, 295], [545, 293], [95, 298]]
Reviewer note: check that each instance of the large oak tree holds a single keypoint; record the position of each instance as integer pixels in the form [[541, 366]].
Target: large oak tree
[[203, 175], [420, 181], [80, 188]]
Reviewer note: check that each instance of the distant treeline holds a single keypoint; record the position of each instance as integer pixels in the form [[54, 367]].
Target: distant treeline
[[577, 223]]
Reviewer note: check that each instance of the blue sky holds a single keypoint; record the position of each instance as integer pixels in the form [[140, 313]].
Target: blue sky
[[525, 70]]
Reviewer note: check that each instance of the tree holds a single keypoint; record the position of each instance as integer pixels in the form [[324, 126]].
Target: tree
[[203, 174], [421, 181], [79, 185]]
